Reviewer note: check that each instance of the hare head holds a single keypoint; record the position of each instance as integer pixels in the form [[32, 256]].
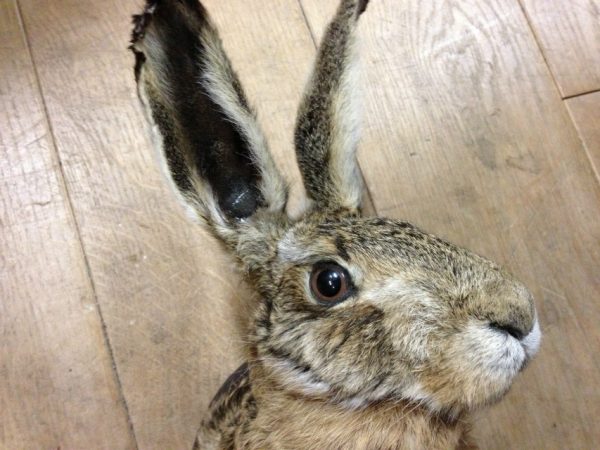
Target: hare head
[[352, 309]]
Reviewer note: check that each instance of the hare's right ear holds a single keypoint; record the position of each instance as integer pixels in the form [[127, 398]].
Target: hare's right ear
[[216, 155], [326, 134]]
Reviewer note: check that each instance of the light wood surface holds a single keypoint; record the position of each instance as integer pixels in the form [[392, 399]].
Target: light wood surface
[[474, 144], [465, 134], [165, 288], [57, 386], [585, 111], [569, 34], [169, 295]]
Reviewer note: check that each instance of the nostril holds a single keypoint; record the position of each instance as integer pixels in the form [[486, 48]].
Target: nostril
[[513, 331]]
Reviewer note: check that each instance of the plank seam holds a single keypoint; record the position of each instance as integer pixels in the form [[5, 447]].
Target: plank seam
[[310, 30], [562, 95], [63, 183], [581, 94], [586, 149], [538, 43]]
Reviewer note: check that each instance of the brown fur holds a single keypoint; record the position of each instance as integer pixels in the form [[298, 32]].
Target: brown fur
[[285, 421], [428, 331], [326, 134]]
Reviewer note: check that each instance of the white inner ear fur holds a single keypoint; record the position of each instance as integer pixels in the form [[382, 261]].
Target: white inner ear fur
[[346, 107], [219, 81], [199, 208]]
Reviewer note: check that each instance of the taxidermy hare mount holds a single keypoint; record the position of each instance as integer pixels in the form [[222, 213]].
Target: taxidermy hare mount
[[369, 333]]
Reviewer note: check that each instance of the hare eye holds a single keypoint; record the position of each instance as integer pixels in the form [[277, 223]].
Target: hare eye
[[330, 283]]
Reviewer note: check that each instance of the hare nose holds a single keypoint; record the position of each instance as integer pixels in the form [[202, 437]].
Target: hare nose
[[507, 307], [510, 329]]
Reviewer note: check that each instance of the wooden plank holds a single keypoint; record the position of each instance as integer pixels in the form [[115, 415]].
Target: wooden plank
[[585, 112], [473, 143], [58, 388], [172, 302], [569, 35]]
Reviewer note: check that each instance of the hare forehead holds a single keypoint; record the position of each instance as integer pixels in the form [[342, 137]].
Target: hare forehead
[[382, 245]]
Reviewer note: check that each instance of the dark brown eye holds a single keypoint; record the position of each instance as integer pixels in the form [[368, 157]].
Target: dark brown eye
[[330, 283]]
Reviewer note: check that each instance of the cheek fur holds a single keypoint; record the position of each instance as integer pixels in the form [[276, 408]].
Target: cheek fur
[[296, 379], [476, 366], [338, 352]]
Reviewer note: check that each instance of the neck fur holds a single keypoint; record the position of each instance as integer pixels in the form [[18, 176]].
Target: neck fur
[[301, 422]]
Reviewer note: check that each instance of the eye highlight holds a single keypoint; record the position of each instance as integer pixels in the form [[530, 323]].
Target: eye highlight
[[330, 283]]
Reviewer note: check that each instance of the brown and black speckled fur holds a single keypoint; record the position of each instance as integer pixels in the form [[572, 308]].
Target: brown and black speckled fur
[[429, 331]]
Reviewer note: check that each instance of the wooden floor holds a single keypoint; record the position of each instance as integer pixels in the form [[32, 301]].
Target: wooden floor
[[119, 319]]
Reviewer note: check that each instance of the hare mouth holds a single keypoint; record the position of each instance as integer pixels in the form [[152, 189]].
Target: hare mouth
[[529, 343], [491, 353]]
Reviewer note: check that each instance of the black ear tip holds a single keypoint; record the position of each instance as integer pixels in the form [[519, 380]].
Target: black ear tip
[[362, 6], [141, 21], [140, 25], [165, 10]]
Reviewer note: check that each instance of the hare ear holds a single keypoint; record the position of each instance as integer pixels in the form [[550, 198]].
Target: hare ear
[[215, 153], [326, 133]]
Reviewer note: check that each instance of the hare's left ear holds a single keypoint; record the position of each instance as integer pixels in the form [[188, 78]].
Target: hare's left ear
[[216, 155]]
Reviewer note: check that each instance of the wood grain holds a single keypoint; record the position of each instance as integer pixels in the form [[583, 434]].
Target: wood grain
[[57, 389], [165, 288], [585, 111], [170, 297], [569, 35], [467, 136]]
